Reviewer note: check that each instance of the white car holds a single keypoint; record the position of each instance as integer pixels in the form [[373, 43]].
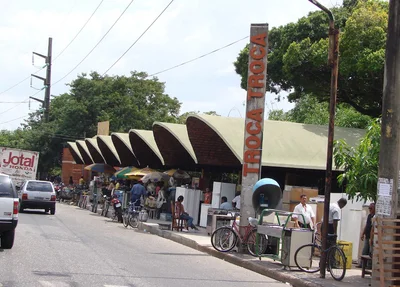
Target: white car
[[8, 211], [37, 194]]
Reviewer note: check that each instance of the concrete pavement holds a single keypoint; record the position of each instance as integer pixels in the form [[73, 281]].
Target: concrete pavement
[[266, 266]]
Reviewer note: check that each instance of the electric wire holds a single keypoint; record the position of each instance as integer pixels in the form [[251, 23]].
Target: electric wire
[[13, 120], [102, 38], [20, 103], [145, 31], [80, 30], [199, 57]]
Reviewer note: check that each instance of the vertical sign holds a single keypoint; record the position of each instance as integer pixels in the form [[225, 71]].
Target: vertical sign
[[254, 121], [103, 128]]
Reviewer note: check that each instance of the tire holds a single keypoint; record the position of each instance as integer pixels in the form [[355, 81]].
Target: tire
[[337, 263], [21, 209], [46, 210], [133, 220], [125, 219], [224, 239], [53, 211], [106, 210], [7, 239], [251, 243], [307, 258]]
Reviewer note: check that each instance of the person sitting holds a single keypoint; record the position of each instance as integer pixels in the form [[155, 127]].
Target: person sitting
[[180, 211], [225, 204]]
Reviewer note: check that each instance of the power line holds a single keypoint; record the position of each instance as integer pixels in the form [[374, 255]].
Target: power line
[[13, 120], [102, 38], [62, 51], [20, 103], [133, 44], [199, 57], [80, 30]]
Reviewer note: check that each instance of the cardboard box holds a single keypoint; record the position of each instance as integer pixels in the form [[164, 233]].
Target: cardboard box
[[295, 192]]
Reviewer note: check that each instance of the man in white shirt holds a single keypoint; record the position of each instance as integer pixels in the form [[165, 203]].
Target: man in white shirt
[[236, 202], [334, 215], [307, 212]]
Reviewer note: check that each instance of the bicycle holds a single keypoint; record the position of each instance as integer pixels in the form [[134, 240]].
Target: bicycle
[[131, 215], [307, 257], [106, 206], [225, 238]]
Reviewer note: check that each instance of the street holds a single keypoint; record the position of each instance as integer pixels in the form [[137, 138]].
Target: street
[[78, 248]]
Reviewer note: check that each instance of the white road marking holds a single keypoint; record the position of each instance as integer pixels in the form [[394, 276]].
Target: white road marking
[[114, 286], [54, 284]]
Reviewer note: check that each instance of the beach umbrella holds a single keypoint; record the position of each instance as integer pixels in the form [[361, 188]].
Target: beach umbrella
[[138, 174], [101, 167], [121, 174], [178, 174], [156, 177]]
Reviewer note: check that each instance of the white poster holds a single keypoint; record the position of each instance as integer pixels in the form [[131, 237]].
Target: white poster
[[384, 201]]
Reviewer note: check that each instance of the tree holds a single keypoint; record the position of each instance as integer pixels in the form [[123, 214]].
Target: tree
[[309, 111], [182, 118], [298, 52], [360, 164]]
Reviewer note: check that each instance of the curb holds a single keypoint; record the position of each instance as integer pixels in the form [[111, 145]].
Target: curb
[[271, 273]]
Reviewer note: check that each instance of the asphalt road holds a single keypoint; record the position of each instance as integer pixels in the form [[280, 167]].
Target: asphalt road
[[78, 248]]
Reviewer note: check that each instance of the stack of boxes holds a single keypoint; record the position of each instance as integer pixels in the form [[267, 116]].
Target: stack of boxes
[[291, 198]]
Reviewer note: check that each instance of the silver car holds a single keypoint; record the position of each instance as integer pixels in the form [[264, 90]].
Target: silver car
[[38, 194]]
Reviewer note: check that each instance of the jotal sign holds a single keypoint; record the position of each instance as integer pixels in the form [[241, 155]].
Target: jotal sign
[[254, 122]]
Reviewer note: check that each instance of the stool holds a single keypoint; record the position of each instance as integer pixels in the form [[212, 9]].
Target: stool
[[364, 263]]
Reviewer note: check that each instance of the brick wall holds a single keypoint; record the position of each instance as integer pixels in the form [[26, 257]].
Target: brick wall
[[70, 168]]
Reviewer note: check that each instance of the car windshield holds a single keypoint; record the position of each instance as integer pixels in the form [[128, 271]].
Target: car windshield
[[39, 186], [6, 189]]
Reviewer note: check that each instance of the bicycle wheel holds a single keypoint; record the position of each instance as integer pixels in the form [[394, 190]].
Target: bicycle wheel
[[336, 263], [224, 239], [134, 220], [125, 218], [307, 258], [261, 247]]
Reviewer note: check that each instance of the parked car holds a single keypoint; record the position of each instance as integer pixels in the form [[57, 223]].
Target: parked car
[[8, 211], [38, 194]]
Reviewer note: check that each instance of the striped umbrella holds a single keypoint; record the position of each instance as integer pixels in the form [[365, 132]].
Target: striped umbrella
[[121, 174]]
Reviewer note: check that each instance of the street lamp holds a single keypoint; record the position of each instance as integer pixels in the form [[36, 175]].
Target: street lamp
[[333, 61]]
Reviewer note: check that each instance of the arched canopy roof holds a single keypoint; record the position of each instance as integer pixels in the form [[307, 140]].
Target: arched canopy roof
[[145, 148], [94, 150], [174, 144], [123, 146], [86, 156], [285, 144], [108, 150], [75, 153]]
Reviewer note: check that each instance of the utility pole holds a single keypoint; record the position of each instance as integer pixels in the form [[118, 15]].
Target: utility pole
[[333, 61], [46, 81], [388, 205]]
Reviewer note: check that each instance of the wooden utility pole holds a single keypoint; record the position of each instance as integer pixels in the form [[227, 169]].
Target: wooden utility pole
[[387, 205], [46, 81]]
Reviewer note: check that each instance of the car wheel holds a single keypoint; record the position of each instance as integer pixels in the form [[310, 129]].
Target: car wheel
[[21, 209], [52, 211], [46, 210], [7, 239]]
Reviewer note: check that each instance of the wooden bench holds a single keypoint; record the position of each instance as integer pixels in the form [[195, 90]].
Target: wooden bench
[[364, 262]]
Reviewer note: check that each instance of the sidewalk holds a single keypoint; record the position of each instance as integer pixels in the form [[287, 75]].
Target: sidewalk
[[200, 240]]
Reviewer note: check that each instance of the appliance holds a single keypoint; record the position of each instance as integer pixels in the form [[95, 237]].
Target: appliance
[[213, 221], [291, 241], [221, 189], [204, 214], [191, 201]]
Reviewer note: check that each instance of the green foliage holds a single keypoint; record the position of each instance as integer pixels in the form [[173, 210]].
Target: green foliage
[[298, 52], [182, 118], [360, 164], [309, 111]]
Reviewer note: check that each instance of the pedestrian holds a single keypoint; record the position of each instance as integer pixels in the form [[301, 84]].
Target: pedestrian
[[71, 181], [236, 201], [225, 204], [181, 214], [304, 216], [334, 215], [366, 235], [137, 192], [207, 196]]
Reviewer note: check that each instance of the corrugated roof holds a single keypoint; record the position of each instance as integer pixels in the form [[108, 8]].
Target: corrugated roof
[[76, 154], [94, 150], [174, 144], [145, 148], [108, 150], [86, 156], [285, 144], [123, 146]]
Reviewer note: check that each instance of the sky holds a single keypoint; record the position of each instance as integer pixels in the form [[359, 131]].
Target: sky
[[187, 30]]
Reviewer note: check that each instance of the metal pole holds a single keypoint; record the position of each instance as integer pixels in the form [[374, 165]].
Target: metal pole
[[333, 60], [48, 81]]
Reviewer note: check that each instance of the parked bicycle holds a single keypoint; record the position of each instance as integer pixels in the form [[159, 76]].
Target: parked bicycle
[[307, 257], [131, 215], [225, 238], [106, 205]]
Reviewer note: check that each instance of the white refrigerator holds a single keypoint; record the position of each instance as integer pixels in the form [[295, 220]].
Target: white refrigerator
[[221, 189], [191, 201]]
